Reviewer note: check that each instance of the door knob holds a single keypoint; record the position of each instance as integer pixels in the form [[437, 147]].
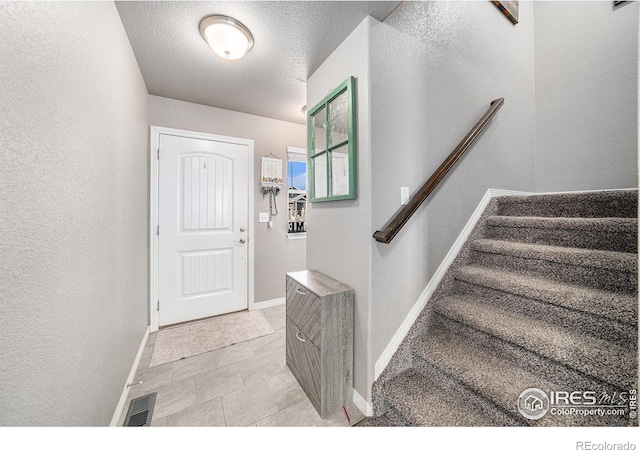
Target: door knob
[[242, 241], [242, 229]]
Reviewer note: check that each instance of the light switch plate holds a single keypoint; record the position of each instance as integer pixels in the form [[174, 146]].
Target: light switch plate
[[404, 195], [264, 218]]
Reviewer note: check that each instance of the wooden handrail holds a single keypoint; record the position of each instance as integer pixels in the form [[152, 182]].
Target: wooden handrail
[[404, 214]]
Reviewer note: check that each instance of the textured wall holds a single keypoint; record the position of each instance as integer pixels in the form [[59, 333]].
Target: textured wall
[[586, 95], [339, 236], [435, 67], [274, 253], [73, 212]]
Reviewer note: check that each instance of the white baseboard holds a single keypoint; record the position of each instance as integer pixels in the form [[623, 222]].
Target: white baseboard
[[575, 192], [269, 303], [395, 342], [125, 392], [365, 407]]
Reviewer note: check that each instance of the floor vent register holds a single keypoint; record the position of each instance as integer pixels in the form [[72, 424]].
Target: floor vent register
[[140, 411]]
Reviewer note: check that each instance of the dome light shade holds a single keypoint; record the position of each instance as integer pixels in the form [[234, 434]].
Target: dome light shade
[[227, 37]]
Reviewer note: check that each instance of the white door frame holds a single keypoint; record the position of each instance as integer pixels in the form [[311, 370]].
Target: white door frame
[[154, 208]]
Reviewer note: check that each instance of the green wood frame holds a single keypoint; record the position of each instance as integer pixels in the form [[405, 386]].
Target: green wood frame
[[349, 86]]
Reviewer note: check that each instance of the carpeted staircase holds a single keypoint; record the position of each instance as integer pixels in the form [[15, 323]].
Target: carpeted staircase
[[542, 295]]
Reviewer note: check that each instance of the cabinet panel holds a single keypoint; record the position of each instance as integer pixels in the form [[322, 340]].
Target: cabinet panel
[[303, 308], [305, 358]]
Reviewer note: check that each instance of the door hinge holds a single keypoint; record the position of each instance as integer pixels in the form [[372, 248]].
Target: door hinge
[[158, 230], [158, 308], [158, 154]]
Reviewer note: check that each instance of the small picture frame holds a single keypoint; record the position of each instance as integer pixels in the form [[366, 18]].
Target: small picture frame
[[509, 9], [271, 173]]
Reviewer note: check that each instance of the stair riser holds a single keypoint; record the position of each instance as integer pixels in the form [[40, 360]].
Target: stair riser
[[558, 374], [599, 327], [616, 204], [617, 242], [476, 412], [377, 399], [402, 358], [400, 361], [395, 417], [606, 279], [494, 413], [376, 421]]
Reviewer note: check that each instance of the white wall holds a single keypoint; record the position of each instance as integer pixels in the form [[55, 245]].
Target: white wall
[[435, 68], [275, 254], [339, 232], [586, 71], [73, 212]]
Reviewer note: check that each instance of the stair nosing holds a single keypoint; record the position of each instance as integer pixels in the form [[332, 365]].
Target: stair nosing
[[597, 224], [604, 259], [518, 284]]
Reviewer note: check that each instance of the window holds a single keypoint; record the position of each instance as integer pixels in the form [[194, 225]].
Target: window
[[297, 190], [332, 146]]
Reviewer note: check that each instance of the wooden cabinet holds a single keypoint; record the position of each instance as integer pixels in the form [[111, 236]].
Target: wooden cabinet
[[320, 338]]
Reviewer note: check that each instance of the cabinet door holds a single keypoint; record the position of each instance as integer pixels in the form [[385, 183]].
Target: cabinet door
[[305, 358], [303, 308]]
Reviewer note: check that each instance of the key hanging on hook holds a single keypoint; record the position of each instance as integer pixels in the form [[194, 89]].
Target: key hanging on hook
[[273, 207]]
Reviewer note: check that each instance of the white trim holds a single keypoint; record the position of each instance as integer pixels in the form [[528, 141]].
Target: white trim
[[132, 373], [533, 194], [153, 210], [294, 236], [268, 303], [301, 150], [395, 342], [153, 220], [365, 407]]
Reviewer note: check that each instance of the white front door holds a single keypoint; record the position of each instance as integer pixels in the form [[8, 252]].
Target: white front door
[[203, 219]]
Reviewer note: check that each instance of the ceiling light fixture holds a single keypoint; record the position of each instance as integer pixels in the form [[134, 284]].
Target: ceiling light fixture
[[226, 36]]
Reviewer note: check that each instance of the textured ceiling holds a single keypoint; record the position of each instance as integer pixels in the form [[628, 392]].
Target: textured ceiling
[[292, 39]]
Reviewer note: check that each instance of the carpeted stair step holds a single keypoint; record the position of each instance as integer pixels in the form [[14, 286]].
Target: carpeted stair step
[[423, 403], [618, 307], [544, 294], [619, 203], [600, 359], [602, 269], [602, 233], [491, 377], [603, 314], [559, 374]]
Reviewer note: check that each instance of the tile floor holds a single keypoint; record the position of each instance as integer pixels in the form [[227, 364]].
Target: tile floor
[[246, 384]]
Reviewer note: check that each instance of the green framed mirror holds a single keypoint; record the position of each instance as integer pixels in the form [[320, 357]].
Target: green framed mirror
[[331, 129]]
